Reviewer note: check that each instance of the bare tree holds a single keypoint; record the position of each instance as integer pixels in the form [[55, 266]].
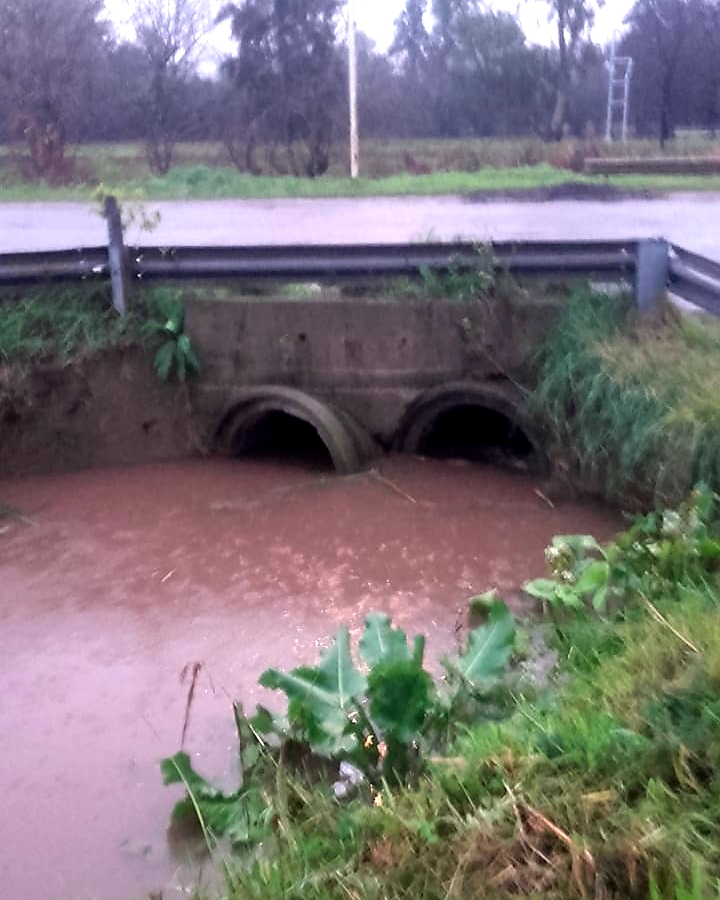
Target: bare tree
[[47, 53], [170, 33]]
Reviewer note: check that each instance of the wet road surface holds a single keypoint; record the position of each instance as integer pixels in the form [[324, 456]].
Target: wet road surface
[[690, 220]]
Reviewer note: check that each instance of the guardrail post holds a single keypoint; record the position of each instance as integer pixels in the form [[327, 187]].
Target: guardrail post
[[117, 255], [651, 273]]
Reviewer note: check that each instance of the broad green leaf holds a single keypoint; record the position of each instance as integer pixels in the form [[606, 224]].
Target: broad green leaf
[[178, 769], [243, 817], [401, 695], [180, 363], [568, 596], [192, 363], [709, 549], [164, 360], [488, 651], [593, 577], [578, 543], [481, 604], [542, 589], [600, 598], [380, 641], [252, 732], [321, 699], [173, 325]]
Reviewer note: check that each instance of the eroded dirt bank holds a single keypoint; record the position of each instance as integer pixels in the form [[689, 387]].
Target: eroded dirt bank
[[105, 409]]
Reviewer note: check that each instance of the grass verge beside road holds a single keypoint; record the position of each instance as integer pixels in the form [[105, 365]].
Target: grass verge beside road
[[203, 182]]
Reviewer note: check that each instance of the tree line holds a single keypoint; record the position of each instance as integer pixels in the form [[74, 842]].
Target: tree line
[[456, 68]]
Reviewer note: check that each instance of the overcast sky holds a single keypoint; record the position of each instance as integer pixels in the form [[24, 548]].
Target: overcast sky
[[377, 17]]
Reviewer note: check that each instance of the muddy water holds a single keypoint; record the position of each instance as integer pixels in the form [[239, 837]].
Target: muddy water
[[126, 576]]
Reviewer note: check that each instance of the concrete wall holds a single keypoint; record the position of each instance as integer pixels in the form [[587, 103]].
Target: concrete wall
[[367, 358]]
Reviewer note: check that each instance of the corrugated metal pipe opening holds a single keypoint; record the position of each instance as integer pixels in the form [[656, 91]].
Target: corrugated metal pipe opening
[[478, 434], [277, 436]]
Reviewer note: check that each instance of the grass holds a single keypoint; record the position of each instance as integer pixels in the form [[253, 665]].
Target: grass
[[453, 167], [59, 324], [632, 408], [608, 789]]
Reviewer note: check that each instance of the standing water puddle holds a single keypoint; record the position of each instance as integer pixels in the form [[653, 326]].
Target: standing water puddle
[[126, 576]]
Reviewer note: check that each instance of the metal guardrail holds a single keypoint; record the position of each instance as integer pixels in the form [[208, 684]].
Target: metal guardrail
[[653, 266], [695, 279]]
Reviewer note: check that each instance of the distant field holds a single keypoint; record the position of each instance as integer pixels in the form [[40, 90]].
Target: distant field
[[389, 167]]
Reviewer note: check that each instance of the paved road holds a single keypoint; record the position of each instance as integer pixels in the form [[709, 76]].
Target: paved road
[[690, 220]]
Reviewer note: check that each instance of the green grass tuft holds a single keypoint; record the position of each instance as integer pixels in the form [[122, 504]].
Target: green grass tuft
[[59, 323], [633, 409]]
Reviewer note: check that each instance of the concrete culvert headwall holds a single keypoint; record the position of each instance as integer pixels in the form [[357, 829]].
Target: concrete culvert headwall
[[477, 422], [283, 423]]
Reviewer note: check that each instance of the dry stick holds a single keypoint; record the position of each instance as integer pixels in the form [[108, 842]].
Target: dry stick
[[663, 621], [521, 828], [575, 852], [544, 498], [373, 473], [196, 669]]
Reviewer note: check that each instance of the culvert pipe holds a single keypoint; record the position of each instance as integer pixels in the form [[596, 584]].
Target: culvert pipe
[[348, 443], [426, 411]]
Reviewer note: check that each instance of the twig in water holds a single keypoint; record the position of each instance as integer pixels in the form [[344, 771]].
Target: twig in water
[[193, 670], [544, 498], [391, 484]]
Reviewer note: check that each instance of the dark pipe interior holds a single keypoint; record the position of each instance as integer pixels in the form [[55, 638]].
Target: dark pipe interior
[[279, 437], [478, 434]]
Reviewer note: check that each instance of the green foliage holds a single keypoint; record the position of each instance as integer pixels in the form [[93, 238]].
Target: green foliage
[[608, 786], [175, 354], [460, 282], [661, 553], [321, 700], [487, 654], [133, 211], [632, 408], [60, 323], [697, 887], [243, 817], [386, 722]]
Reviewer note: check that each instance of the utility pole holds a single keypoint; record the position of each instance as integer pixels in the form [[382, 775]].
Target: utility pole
[[352, 80], [620, 73]]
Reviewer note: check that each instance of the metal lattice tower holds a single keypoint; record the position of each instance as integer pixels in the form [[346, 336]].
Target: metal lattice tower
[[620, 72]]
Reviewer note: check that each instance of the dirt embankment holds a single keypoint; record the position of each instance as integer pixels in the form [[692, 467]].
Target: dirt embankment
[[105, 409]]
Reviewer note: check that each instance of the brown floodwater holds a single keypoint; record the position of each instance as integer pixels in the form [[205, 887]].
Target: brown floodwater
[[122, 577]]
